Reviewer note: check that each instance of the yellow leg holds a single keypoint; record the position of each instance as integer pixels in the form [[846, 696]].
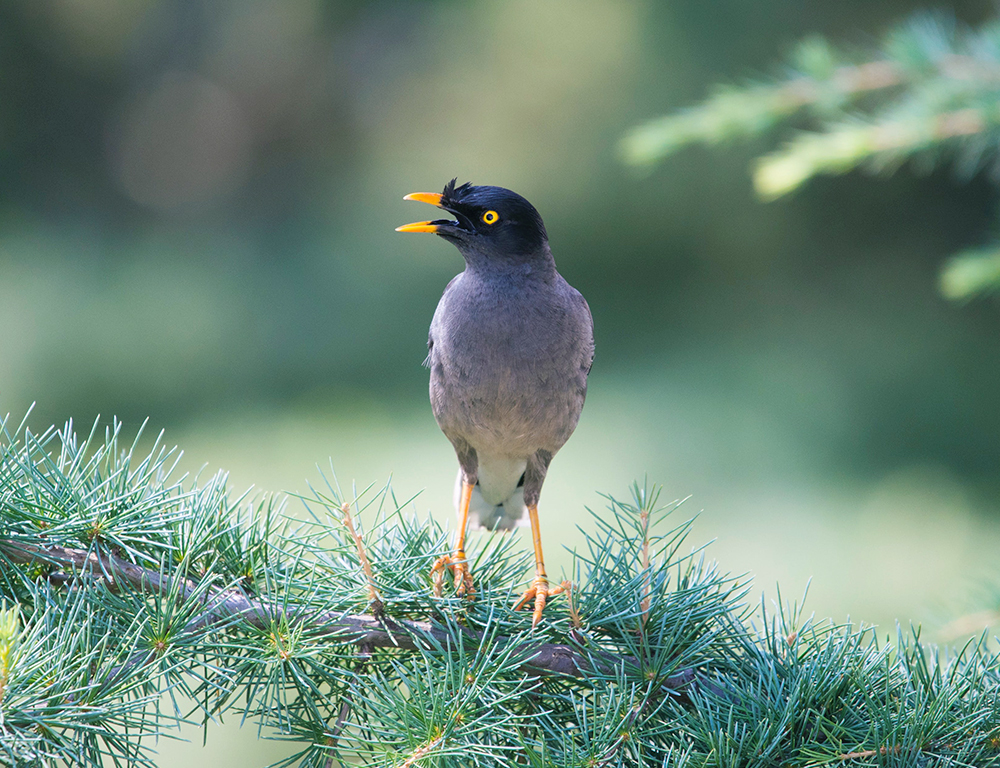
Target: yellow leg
[[539, 590], [456, 561]]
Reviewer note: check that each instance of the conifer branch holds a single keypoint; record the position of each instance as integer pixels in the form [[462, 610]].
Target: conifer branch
[[362, 630], [930, 90], [122, 590]]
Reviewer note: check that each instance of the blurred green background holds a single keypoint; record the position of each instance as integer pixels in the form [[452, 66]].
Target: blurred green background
[[197, 202]]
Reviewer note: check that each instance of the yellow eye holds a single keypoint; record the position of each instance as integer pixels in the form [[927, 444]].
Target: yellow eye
[[491, 217]]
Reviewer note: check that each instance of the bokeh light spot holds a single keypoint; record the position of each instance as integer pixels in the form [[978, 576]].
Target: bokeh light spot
[[185, 143]]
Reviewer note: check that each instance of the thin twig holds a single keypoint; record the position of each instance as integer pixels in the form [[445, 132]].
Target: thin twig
[[574, 612], [346, 706], [860, 755], [421, 751], [338, 727], [646, 587], [870, 753], [373, 594]]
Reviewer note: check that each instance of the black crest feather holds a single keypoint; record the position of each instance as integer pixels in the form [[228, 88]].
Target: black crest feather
[[453, 194]]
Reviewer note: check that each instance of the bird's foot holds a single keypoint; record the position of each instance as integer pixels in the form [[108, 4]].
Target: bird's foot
[[460, 567], [540, 592]]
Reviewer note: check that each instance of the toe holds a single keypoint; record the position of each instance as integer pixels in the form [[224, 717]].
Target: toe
[[541, 596], [528, 596], [463, 578], [539, 592], [460, 569]]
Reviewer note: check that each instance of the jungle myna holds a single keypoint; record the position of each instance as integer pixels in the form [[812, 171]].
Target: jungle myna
[[510, 347]]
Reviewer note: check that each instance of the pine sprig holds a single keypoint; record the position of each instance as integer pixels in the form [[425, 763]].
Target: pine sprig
[[929, 92], [230, 605]]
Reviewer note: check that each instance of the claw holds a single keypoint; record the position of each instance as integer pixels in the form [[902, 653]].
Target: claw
[[460, 568], [540, 592], [457, 561]]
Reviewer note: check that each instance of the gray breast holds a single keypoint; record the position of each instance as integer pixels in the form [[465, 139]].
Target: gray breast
[[509, 359]]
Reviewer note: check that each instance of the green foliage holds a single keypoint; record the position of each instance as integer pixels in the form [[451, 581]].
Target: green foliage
[[930, 90], [133, 601]]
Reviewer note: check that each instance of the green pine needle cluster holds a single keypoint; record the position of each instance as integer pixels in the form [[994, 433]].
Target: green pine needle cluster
[[929, 91], [133, 600]]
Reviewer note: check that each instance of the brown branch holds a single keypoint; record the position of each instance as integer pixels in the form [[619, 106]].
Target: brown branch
[[363, 630]]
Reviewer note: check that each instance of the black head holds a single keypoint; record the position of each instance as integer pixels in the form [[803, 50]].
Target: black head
[[491, 222]]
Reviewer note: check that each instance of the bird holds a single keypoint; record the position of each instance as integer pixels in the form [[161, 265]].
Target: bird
[[510, 347]]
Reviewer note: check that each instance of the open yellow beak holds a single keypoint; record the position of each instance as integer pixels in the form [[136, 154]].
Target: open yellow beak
[[424, 197], [418, 226], [421, 226]]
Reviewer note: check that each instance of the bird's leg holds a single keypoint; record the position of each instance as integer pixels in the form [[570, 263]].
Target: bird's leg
[[457, 561], [540, 590]]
